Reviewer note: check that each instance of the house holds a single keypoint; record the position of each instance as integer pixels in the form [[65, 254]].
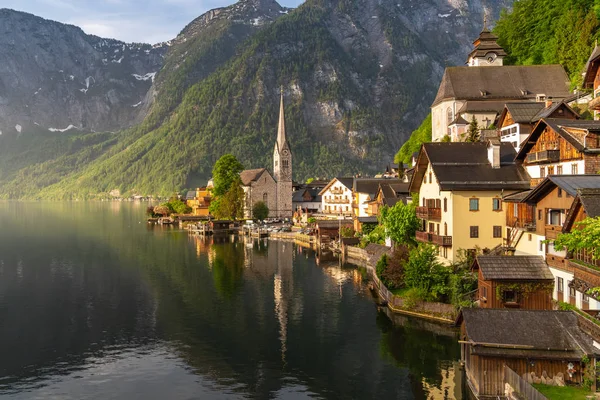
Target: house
[[307, 200], [514, 282], [481, 88], [330, 230], [460, 188], [553, 201], [526, 341], [199, 201], [388, 194], [364, 191], [336, 197], [517, 120], [561, 147]]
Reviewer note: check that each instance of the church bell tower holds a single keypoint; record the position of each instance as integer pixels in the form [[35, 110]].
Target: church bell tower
[[282, 168]]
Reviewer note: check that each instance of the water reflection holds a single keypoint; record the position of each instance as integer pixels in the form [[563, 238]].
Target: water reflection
[[96, 304]]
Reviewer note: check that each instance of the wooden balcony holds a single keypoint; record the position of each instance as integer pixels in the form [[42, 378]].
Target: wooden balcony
[[337, 201], [586, 273], [594, 104], [543, 156], [429, 213], [533, 182], [429, 237]]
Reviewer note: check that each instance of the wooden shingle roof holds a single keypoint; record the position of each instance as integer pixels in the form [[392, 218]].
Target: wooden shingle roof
[[530, 333], [522, 268]]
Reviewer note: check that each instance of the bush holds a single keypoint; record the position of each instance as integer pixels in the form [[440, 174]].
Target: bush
[[413, 297], [390, 269], [347, 231], [423, 271]]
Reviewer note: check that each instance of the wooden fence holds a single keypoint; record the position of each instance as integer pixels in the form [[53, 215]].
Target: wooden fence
[[520, 386]]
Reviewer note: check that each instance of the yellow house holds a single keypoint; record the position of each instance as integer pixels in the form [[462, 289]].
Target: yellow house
[[460, 188], [199, 201]]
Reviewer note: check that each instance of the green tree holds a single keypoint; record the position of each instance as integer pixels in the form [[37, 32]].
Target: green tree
[[401, 222], [347, 231], [162, 210], [472, 134], [231, 204], [310, 180], [446, 139], [423, 271], [584, 236], [225, 173], [260, 211]]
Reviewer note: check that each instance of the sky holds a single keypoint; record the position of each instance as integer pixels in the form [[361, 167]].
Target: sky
[[148, 21]]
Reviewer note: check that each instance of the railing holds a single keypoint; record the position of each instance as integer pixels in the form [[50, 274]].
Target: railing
[[429, 237], [521, 386], [337, 191], [429, 213], [544, 156], [337, 201], [533, 182], [589, 274]]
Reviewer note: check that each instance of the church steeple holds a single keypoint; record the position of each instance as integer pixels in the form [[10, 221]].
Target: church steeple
[[281, 139], [486, 50]]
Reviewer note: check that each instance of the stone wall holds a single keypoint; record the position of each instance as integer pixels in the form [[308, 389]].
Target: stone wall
[[256, 192]]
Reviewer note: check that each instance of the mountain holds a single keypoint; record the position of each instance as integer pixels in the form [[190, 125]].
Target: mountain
[[358, 77], [53, 76]]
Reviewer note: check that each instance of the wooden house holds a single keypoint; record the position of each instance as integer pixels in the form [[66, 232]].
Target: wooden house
[[591, 79], [517, 119], [388, 194], [561, 147], [336, 197], [514, 282], [331, 229], [527, 341]]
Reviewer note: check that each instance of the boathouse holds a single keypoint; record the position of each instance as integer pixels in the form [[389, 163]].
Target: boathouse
[[533, 343], [514, 282]]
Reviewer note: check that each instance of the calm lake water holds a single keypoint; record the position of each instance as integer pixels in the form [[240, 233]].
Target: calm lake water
[[96, 304]]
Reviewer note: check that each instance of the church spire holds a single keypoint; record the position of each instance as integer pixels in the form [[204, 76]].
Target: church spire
[[281, 139]]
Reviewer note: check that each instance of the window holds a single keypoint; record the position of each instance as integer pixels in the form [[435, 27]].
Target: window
[[445, 229], [559, 192], [572, 291], [585, 298], [515, 210], [574, 169], [445, 204], [449, 116], [540, 215], [551, 170], [266, 198], [541, 245], [430, 180], [474, 205], [285, 163], [509, 296], [474, 232], [560, 285], [529, 237], [496, 204], [497, 231], [484, 292], [559, 170], [542, 172]]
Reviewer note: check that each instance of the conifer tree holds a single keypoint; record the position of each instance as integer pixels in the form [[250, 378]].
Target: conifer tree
[[473, 132]]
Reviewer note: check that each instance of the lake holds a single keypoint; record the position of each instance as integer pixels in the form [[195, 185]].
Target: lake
[[97, 304]]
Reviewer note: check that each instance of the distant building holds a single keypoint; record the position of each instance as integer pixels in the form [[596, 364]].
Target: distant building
[[307, 200], [199, 201], [336, 197], [482, 88], [274, 190]]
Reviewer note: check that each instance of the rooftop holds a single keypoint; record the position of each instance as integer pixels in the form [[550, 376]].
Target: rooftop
[[509, 82], [538, 333], [569, 183], [250, 175], [513, 268]]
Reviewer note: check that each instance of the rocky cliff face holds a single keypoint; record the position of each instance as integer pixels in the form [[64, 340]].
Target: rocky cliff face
[[53, 76], [358, 76]]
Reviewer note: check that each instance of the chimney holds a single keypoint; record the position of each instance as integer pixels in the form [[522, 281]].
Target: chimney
[[548, 102], [494, 153]]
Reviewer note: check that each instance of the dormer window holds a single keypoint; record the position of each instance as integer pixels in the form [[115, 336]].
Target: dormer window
[[483, 93]]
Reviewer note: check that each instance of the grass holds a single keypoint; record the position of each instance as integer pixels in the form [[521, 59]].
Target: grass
[[400, 292], [562, 392]]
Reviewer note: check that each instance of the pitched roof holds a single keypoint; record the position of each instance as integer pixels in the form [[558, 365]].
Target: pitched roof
[[539, 333], [474, 106], [590, 199], [298, 195], [486, 43], [547, 112], [516, 197], [459, 120], [591, 67], [371, 185], [569, 183], [509, 82], [560, 126], [190, 195], [347, 182], [524, 112], [513, 268], [250, 175], [465, 166]]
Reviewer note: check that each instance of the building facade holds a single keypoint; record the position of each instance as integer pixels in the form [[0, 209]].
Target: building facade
[[337, 197], [282, 168]]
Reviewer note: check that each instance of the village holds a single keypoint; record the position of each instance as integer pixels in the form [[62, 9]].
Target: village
[[493, 227]]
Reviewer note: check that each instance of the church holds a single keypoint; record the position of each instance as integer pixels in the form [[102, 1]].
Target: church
[[274, 190]]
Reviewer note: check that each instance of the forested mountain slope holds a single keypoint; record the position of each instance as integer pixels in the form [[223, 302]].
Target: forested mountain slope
[[358, 76]]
